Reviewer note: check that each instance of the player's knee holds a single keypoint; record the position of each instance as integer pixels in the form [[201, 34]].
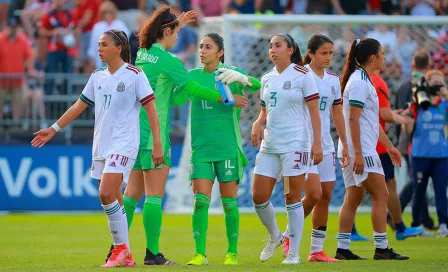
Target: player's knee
[[201, 201], [381, 195], [314, 196], [258, 198], [107, 196], [292, 198]]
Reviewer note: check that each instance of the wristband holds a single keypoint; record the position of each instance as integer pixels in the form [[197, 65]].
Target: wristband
[[56, 127]]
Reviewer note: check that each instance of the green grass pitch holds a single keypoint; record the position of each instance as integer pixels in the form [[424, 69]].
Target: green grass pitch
[[80, 243]]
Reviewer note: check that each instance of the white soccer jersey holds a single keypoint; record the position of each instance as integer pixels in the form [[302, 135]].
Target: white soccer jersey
[[117, 99], [284, 96], [360, 92], [330, 94]]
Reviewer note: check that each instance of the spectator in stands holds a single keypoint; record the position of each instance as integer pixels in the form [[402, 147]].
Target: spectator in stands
[[133, 39], [108, 20], [404, 51], [33, 99], [421, 63], [207, 8], [4, 7], [423, 7], [86, 16], [15, 54], [352, 7], [309, 7], [440, 55], [128, 10], [241, 6]]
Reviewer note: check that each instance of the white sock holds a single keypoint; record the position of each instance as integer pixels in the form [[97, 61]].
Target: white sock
[[343, 240], [116, 225], [317, 240], [296, 219], [266, 214], [286, 233], [380, 240], [126, 227]]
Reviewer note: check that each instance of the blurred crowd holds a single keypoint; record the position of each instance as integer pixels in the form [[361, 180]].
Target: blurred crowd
[[41, 38]]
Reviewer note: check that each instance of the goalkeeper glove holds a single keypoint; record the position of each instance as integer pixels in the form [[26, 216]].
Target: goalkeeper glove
[[228, 76]]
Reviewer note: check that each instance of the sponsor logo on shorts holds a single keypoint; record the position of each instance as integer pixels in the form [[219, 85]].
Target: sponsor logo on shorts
[[286, 85], [296, 166], [378, 162], [228, 173], [112, 164], [120, 87]]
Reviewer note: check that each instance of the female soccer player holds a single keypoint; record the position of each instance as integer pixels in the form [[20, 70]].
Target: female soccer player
[[361, 111], [219, 157], [116, 91], [164, 71], [286, 144], [321, 178]]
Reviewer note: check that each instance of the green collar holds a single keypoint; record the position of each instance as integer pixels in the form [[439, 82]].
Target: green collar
[[220, 65], [158, 45]]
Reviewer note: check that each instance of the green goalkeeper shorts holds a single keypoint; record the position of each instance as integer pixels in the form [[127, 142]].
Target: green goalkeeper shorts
[[144, 159], [224, 171]]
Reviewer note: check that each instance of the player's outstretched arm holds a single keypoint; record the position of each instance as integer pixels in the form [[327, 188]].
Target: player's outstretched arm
[[153, 118], [339, 123], [45, 135], [229, 76], [316, 150]]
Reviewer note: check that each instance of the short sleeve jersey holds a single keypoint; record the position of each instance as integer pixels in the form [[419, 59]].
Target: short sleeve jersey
[[117, 99], [329, 88], [383, 101], [360, 92], [164, 71], [285, 95]]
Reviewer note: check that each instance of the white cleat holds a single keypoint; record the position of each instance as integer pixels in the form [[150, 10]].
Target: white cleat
[[269, 249], [443, 231], [292, 259], [427, 233]]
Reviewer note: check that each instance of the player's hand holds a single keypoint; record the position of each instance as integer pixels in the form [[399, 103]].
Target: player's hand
[[157, 155], [395, 156], [42, 137], [228, 76], [240, 101], [257, 133], [186, 18], [358, 164], [345, 156], [316, 153]]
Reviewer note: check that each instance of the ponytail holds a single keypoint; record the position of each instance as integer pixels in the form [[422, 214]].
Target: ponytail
[[296, 56], [153, 29], [350, 66], [307, 59], [121, 39]]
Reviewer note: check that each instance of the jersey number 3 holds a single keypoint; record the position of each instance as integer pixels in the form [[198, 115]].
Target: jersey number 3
[[107, 99], [274, 99]]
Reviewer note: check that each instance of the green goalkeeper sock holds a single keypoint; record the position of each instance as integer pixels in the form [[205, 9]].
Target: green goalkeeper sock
[[200, 222], [232, 218], [129, 205], [152, 222]]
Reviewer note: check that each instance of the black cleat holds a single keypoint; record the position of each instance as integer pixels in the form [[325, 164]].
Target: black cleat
[[110, 252], [346, 254], [158, 259], [388, 254]]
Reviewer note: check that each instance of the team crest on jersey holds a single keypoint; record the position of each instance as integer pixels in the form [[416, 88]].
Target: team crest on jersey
[[120, 87], [287, 85], [333, 90]]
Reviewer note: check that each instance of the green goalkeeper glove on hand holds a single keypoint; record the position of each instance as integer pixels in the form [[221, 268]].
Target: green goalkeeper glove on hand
[[228, 76]]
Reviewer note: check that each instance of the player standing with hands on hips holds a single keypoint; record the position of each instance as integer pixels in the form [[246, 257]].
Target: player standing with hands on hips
[[116, 92], [361, 111], [288, 91]]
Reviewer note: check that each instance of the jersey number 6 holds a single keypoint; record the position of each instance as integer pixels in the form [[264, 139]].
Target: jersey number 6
[[323, 103]]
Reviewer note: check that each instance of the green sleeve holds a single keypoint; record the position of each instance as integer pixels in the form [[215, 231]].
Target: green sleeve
[[176, 71], [192, 88], [180, 97], [255, 83]]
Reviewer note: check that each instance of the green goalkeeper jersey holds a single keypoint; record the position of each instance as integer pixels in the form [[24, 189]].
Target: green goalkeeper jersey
[[164, 71], [215, 131]]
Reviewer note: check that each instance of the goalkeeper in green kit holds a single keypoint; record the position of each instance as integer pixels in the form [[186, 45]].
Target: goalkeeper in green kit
[[163, 71], [216, 146]]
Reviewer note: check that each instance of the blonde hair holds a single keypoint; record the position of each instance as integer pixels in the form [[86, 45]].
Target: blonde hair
[[432, 73], [108, 6]]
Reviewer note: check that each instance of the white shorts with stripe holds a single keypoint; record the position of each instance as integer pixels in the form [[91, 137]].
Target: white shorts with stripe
[[113, 164], [372, 164], [326, 169], [287, 164]]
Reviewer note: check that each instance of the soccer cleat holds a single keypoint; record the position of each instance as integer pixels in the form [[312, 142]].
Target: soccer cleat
[[320, 256], [119, 253], [409, 232], [129, 261], [427, 233], [388, 254], [347, 254], [231, 258], [286, 247], [443, 231], [292, 259], [158, 259], [356, 237], [110, 252], [198, 259], [269, 249]]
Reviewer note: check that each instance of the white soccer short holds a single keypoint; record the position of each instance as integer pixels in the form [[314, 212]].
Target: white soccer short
[[326, 169], [113, 164], [288, 164], [372, 164]]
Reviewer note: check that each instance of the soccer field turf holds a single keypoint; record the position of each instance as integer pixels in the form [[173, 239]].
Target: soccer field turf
[[80, 243]]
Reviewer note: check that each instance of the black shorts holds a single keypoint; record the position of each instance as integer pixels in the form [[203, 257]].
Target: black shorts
[[388, 167]]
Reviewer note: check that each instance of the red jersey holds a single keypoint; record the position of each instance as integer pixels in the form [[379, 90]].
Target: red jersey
[[94, 6], [383, 97]]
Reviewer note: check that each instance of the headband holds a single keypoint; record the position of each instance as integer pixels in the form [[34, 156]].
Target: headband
[[110, 31], [170, 23], [358, 41], [289, 40]]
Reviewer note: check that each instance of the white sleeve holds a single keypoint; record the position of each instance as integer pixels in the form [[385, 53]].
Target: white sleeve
[[310, 91], [337, 96], [358, 92], [88, 95], [262, 102], [143, 90]]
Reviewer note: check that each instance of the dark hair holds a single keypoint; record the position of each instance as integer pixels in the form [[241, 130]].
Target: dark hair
[[296, 56], [421, 59], [154, 27], [359, 53], [219, 41], [121, 39], [314, 43]]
